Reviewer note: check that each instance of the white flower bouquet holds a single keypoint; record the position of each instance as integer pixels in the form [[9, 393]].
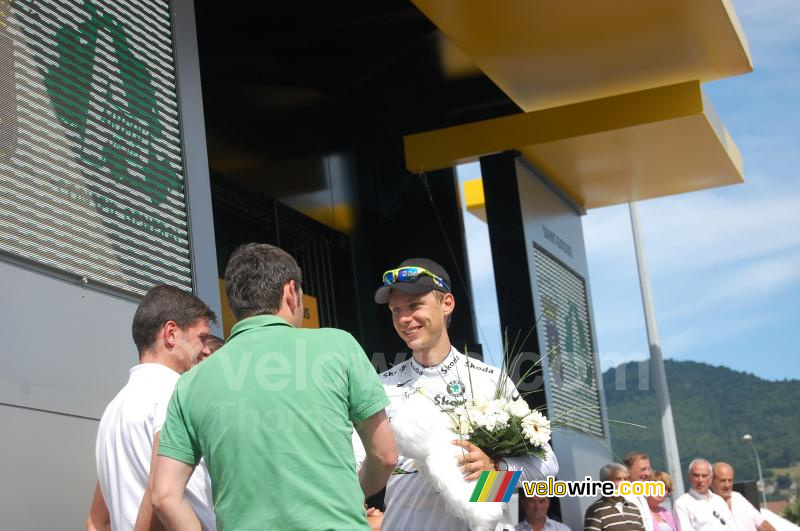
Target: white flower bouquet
[[502, 427]]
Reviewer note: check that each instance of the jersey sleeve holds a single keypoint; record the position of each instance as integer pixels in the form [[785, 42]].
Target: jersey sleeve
[[178, 440], [533, 468]]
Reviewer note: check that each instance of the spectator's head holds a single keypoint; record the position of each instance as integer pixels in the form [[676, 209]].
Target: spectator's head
[[535, 508], [638, 464], [214, 343], [661, 477], [419, 298], [722, 484], [262, 279], [615, 472], [171, 327], [700, 475]]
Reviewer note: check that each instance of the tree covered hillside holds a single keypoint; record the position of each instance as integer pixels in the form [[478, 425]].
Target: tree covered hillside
[[712, 408]]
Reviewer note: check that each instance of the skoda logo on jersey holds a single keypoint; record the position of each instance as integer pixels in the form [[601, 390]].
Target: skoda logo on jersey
[[455, 388]]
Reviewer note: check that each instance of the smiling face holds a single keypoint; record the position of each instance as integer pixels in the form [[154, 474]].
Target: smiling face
[[420, 320], [666, 481], [641, 470], [191, 345], [655, 501]]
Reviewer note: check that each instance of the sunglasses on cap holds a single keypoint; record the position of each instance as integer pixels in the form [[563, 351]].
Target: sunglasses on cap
[[411, 274]]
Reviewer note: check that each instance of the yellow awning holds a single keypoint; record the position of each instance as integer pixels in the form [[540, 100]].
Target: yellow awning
[[545, 53], [640, 145]]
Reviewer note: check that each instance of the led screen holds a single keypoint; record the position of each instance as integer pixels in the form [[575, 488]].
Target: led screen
[[569, 346], [90, 146]]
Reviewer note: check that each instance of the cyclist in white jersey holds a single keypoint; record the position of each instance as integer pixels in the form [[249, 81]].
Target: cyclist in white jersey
[[419, 297]]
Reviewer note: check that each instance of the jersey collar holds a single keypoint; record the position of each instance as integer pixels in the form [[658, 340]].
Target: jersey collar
[[444, 366], [257, 321]]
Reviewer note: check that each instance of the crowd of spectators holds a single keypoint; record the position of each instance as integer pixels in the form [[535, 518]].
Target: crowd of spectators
[[711, 504]]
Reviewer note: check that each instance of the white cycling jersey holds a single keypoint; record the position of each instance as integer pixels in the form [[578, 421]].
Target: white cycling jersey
[[411, 501]]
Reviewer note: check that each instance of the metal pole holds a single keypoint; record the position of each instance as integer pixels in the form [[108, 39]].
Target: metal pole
[[761, 486], [659, 377]]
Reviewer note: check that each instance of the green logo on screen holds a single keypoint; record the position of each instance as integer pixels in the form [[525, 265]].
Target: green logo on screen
[[103, 94]]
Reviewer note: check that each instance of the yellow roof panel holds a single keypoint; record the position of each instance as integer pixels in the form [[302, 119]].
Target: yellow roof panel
[[612, 150], [545, 53]]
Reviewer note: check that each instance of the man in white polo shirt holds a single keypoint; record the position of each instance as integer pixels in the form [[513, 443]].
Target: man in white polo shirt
[[700, 509], [746, 517], [171, 330]]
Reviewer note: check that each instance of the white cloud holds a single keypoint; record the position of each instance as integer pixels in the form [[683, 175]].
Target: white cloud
[[745, 285], [699, 231], [702, 231], [701, 339], [717, 259]]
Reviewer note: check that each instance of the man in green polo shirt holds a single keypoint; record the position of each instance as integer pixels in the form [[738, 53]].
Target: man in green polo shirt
[[272, 413]]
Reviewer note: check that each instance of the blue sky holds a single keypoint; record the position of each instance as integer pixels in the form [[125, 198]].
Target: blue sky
[[724, 263]]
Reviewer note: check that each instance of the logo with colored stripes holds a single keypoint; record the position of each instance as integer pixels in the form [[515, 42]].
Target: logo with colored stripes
[[495, 486]]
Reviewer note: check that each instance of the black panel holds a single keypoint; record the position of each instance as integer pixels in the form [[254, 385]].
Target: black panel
[[405, 216], [286, 84], [749, 489], [510, 257], [323, 254], [281, 80]]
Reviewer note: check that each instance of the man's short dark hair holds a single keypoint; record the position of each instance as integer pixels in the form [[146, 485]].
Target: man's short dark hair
[[162, 304], [255, 277]]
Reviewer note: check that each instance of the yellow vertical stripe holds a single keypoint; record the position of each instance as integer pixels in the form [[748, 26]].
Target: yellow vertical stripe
[[487, 487]]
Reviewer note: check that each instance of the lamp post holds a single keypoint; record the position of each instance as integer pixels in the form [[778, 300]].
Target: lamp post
[[670, 440], [749, 438]]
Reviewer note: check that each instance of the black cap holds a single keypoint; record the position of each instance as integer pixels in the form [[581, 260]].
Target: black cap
[[422, 284]]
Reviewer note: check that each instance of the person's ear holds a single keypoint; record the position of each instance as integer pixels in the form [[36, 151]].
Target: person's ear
[[448, 303], [291, 296], [169, 334]]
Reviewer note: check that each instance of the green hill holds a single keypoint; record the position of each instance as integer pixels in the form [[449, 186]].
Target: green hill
[[712, 408]]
